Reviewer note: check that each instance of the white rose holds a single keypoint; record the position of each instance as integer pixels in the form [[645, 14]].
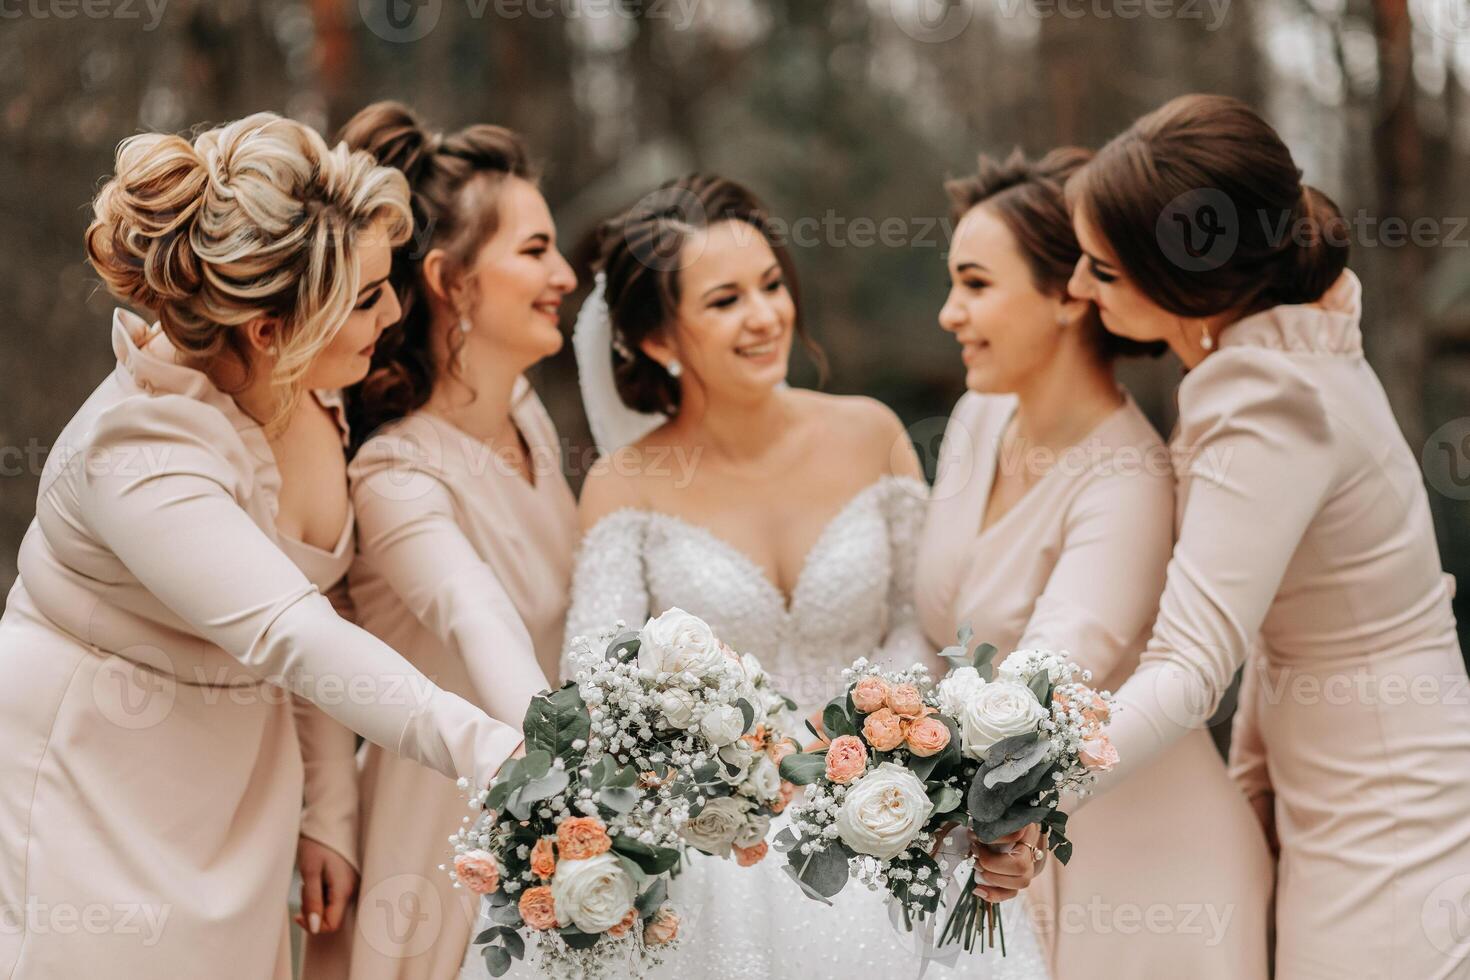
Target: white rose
[[739, 755], [594, 894], [765, 778], [883, 812], [717, 825], [757, 825], [998, 711], [722, 724], [678, 643], [957, 689], [754, 672], [677, 706]]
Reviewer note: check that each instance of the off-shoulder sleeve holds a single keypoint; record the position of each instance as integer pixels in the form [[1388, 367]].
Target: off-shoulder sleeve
[[1260, 464], [609, 582], [177, 526], [904, 503], [409, 532], [1103, 591]]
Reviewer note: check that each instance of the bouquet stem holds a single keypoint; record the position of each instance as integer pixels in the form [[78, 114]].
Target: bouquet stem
[[974, 918]]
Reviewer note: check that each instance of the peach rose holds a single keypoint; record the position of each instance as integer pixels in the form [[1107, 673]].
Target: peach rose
[[884, 730], [869, 694], [788, 793], [621, 929], [477, 871], [1098, 753], [580, 838], [538, 909], [847, 759], [746, 856], [927, 736], [543, 858], [756, 739], [905, 700], [1098, 712], [662, 928], [777, 751]]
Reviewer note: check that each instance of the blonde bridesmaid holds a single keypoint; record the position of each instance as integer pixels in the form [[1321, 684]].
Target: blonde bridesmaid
[[1303, 520], [152, 779], [1050, 525], [467, 526]]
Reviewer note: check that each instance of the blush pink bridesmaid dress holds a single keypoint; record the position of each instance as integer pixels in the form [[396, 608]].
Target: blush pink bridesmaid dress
[[151, 788], [1304, 521], [1170, 876], [466, 567]]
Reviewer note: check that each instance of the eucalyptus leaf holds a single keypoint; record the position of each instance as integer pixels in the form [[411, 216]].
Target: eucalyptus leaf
[[577, 939], [554, 721], [825, 870], [545, 787], [1012, 821], [653, 896], [536, 764], [489, 935], [804, 768], [624, 646], [653, 860], [836, 721], [1040, 684], [747, 712], [1015, 765], [965, 634], [945, 799], [984, 661], [515, 945], [624, 778], [632, 869], [618, 799], [517, 807], [784, 840], [507, 915], [808, 889], [497, 960]]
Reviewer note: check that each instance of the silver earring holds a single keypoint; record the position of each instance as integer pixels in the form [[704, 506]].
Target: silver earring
[[674, 368]]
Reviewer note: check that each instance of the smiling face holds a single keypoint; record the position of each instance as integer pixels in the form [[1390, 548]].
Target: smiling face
[[518, 282], [347, 356], [1007, 328], [736, 317], [1125, 310]]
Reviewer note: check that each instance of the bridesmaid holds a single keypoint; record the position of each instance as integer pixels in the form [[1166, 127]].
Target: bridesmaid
[[1071, 556], [466, 524], [1303, 519], [152, 779]]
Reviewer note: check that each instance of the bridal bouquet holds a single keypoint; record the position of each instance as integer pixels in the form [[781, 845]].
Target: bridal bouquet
[[664, 739], [909, 760]]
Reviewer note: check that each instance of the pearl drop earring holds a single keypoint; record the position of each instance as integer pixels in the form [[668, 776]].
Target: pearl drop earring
[[674, 368], [1206, 341], [464, 324]]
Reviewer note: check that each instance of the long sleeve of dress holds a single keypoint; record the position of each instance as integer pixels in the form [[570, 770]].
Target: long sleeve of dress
[[609, 582], [409, 533], [178, 528], [1260, 462], [1103, 591], [905, 502], [329, 765], [1247, 748]]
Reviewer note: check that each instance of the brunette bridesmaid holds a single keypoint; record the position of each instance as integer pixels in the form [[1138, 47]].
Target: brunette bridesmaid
[[1303, 520], [152, 778], [1049, 526], [466, 524]]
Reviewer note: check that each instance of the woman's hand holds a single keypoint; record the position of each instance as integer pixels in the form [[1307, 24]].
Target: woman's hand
[[1006, 866], [328, 882]]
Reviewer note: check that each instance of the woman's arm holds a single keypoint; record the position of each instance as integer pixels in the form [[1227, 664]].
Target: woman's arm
[[179, 530], [409, 532]]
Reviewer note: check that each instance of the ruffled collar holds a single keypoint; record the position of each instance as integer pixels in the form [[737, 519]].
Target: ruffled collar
[[1328, 326]]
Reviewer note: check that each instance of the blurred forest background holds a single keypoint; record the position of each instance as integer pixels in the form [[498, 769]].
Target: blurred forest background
[[843, 113]]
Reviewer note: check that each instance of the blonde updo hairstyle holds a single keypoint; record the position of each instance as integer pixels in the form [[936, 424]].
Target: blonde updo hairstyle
[[255, 218]]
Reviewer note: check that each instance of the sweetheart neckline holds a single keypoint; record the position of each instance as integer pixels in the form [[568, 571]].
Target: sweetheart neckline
[[788, 603]]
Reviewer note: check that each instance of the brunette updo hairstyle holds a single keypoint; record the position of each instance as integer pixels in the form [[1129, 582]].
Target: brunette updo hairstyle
[[455, 181], [1030, 198], [640, 253], [1290, 242], [255, 218]]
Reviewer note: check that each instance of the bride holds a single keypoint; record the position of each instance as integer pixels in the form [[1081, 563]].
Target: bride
[[785, 518]]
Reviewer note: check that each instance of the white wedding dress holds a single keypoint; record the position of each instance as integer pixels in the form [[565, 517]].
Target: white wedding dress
[[853, 598]]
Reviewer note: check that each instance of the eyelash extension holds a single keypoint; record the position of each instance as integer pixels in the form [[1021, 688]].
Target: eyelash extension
[[1100, 275], [371, 301]]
